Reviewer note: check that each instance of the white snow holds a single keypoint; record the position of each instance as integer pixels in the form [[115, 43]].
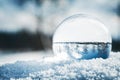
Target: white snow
[[94, 69]]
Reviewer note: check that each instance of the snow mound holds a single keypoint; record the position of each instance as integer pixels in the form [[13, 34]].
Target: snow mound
[[94, 69]]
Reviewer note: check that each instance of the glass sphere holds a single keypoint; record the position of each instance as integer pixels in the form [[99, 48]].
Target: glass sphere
[[82, 37]]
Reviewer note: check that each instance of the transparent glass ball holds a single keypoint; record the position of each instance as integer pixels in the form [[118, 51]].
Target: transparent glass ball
[[82, 37]]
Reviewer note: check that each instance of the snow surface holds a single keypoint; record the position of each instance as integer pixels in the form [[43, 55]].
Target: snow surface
[[54, 68]]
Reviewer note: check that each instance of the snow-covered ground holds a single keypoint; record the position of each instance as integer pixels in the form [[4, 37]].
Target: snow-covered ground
[[10, 57], [54, 68]]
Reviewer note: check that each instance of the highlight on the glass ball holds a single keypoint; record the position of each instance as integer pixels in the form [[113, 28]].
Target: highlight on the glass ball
[[82, 37]]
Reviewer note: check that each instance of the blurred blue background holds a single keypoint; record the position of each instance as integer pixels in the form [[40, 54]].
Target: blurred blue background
[[28, 25]]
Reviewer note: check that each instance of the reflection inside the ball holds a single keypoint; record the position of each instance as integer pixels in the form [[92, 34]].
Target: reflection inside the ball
[[86, 50]]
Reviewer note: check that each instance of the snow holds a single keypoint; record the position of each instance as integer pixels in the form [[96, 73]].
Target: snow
[[52, 68]]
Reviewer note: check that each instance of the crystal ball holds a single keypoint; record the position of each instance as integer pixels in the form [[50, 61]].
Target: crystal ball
[[82, 37]]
